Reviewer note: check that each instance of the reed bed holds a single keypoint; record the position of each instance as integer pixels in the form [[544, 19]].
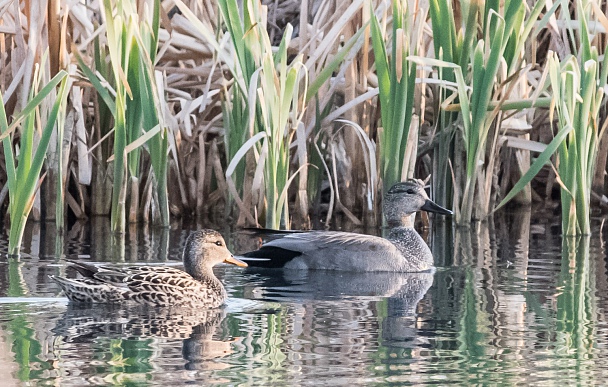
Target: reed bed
[[285, 114]]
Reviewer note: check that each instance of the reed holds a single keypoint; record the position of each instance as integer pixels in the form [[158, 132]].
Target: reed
[[484, 67], [240, 58], [236, 108], [577, 89], [24, 178], [105, 108], [274, 105], [481, 92], [577, 99], [235, 118], [115, 28], [578, 84], [281, 103], [396, 82], [449, 48], [149, 86], [265, 103], [132, 45]]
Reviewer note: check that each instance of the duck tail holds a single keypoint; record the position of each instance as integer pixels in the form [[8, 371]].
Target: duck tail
[[89, 290], [85, 269], [269, 257], [270, 231]]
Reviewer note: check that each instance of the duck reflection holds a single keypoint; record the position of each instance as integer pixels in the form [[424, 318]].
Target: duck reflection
[[196, 328], [397, 294], [279, 285]]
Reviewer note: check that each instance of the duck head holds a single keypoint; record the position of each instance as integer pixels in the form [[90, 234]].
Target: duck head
[[205, 249], [405, 198]]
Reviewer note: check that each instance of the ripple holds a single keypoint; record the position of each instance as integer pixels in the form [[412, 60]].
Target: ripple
[[507, 313]]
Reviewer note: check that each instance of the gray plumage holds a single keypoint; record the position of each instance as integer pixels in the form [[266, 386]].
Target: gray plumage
[[197, 286], [403, 250]]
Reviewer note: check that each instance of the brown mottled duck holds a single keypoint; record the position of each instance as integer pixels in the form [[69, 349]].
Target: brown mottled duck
[[197, 286]]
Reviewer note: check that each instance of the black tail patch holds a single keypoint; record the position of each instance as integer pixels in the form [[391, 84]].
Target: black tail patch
[[277, 257]]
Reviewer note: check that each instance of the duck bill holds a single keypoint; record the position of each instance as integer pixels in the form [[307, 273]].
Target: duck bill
[[234, 261], [430, 206]]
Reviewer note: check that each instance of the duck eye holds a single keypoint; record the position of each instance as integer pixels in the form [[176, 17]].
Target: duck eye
[[218, 243], [410, 191]]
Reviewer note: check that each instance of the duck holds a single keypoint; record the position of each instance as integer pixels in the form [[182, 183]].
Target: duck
[[403, 250], [196, 287]]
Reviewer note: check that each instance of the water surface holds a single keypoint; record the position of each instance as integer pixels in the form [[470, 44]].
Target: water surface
[[510, 303]]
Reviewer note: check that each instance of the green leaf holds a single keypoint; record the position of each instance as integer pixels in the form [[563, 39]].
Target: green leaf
[[537, 165], [330, 67]]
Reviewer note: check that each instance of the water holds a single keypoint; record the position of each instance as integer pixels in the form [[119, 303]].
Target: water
[[510, 303]]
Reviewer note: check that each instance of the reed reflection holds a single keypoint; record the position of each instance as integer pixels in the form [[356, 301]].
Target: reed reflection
[[356, 315], [512, 304], [577, 308]]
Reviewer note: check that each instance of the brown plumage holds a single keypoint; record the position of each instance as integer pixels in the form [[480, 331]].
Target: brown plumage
[[197, 286]]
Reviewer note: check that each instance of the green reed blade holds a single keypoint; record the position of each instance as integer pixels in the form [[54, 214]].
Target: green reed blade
[[32, 104], [543, 159], [26, 182], [337, 60], [396, 82]]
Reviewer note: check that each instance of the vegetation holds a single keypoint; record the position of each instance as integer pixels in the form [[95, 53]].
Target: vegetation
[[132, 45], [396, 82], [244, 109], [273, 99], [578, 90], [478, 60], [24, 179]]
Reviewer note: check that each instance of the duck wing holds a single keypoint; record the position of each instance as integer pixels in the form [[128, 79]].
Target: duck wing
[[153, 285], [326, 250], [116, 274], [172, 287]]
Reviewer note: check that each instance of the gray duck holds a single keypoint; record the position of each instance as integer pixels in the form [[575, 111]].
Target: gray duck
[[197, 286], [403, 250]]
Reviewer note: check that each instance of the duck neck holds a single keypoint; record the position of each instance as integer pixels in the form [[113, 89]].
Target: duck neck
[[405, 221], [204, 273], [416, 253], [198, 271]]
